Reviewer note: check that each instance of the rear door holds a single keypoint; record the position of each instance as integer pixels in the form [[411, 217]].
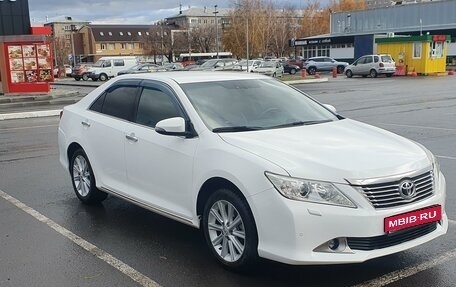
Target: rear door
[[104, 132]]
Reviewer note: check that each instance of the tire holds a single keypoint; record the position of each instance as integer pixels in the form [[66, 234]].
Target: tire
[[274, 75], [236, 246], [312, 70], [389, 75], [292, 71], [340, 69], [373, 73], [85, 77], [77, 78], [349, 73], [83, 179], [103, 77], [94, 79]]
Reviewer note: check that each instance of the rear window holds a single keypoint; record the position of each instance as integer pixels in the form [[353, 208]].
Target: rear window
[[387, 59]]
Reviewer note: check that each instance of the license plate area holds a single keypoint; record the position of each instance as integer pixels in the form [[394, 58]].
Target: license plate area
[[412, 218]]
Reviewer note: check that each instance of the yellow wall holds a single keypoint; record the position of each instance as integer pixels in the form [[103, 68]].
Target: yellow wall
[[424, 65]]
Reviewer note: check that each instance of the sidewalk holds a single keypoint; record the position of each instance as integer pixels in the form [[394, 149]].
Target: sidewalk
[[34, 106]]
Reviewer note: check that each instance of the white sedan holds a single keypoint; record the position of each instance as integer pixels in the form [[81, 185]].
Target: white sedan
[[263, 169]]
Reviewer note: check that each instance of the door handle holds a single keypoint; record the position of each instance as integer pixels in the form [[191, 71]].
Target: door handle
[[132, 137], [85, 123]]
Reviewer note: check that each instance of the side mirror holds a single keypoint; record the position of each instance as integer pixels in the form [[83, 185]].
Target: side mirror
[[173, 127], [331, 108]]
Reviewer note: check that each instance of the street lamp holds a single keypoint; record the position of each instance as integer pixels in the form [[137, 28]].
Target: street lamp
[[216, 31]]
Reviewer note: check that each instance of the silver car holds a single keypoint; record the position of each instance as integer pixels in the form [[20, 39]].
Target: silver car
[[372, 65], [270, 68], [316, 64]]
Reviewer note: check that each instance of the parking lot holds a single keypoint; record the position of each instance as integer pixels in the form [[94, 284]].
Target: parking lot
[[47, 238]]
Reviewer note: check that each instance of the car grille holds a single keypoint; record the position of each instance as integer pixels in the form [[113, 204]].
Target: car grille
[[388, 240], [384, 195]]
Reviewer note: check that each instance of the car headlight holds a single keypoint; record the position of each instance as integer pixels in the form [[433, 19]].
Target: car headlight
[[309, 190]]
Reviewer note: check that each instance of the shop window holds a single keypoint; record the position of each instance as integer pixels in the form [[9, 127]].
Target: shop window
[[437, 49], [417, 47]]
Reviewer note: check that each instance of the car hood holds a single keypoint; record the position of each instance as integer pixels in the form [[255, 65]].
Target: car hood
[[333, 151]]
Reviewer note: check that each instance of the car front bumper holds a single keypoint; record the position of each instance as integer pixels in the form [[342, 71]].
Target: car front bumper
[[296, 232]]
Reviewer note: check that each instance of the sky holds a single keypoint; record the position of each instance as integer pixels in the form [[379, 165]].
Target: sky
[[125, 11]]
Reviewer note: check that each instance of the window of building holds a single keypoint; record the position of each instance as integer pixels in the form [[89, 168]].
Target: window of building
[[101, 34], [68, 37], [437, 49], [139, 33], [205, 21], [121, 33], [111, 46], [103, 46], [110, 33], [212, 21], [123, 46], [193, 21], [141, 45], [147, 33], [67, 28], [129, 33], [417, 47], [131, 46]]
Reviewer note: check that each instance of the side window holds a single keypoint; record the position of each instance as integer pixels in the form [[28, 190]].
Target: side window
[[97, 106], [107, 64], [368, 60], [376, 59], [119, 63], [154, 106], [120, 102]]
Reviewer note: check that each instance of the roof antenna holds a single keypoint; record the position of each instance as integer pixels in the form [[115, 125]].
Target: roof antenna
[[180, 8]]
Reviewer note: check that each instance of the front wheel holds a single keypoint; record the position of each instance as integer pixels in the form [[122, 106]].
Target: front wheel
[[85, 77], [103, 77], [373, 73], [229, 230], [83, 179], [312, 70], [292, 71], [349, 73]]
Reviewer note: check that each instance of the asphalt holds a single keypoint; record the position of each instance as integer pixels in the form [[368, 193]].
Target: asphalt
[[65, 92]]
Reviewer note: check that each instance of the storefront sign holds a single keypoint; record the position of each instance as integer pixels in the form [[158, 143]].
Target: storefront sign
[[439, 38]]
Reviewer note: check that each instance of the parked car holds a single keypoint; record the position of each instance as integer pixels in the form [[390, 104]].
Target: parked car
[[372, 65], [317, 64], [216, 65], [242, 65], [297, 62], [108, 67], [171, 67], [290, 68], [262, 168], [140, 69], [80, 72], [68, 70], [270, 68]]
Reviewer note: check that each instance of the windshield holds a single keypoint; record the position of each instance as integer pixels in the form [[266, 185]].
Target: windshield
[[267, 65], [99, 63], [253, 104], [209, 63], [136, 67]]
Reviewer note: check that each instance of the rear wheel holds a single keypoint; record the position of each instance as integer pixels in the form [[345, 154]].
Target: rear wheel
[[373, 73], [292, 71], [83, 179], [349, 73], [85, 77], [274, 75], [229, 230], [103, 77]]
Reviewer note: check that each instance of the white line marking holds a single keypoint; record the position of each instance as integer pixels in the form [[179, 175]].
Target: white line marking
[[418, 127], [138, 277], [445, 157], [26, 128], [409, 271]]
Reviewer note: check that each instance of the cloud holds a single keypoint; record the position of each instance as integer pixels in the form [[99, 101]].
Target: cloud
[[124, 11]]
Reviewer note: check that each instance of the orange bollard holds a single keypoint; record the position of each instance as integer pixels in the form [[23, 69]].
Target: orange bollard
[[334, 72], [317, 75], [303, 73], [451, 72]]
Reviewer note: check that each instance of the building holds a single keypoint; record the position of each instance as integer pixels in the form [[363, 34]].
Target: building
[[371, 4], [353, 33], [64, 27], [14, 18], [197, 17]]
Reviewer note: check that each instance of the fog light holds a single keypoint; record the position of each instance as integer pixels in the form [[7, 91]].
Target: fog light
[[333, 244]]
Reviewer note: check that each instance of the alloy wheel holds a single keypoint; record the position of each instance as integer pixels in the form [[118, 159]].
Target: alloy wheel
[[226, 231], [81, 176]]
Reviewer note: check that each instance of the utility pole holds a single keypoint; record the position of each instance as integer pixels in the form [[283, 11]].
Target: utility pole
[[216, 31]]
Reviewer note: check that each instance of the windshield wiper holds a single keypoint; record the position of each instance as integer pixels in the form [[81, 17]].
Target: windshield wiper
[[301, 123], [236, 129]]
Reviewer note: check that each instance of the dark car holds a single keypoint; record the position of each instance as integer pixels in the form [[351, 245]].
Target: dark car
[[297, 62], [140, 69], [80, 72], [290, 68], [216, 65]]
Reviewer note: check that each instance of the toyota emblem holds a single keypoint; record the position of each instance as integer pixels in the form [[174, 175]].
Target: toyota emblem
[[407, 189]]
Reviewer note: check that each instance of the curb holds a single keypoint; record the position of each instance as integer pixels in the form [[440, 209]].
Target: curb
[[27, 115], [308, 81], [75, 84]]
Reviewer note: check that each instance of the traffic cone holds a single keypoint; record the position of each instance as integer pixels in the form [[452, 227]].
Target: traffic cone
[[317, 75], [303, 73], [334, 72]]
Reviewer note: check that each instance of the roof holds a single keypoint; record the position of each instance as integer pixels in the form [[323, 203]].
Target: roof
[[119, 33], [202, 12], [64, 19]]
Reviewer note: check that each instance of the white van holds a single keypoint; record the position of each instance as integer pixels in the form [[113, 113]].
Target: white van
[[108, 67]]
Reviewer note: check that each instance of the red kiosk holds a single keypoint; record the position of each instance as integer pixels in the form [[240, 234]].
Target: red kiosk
[[27, 67]]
